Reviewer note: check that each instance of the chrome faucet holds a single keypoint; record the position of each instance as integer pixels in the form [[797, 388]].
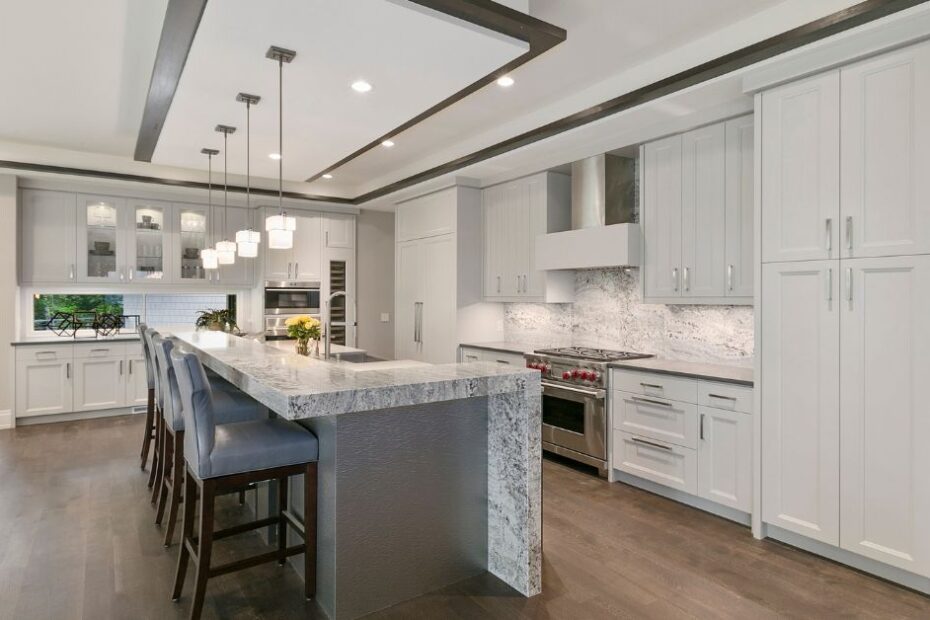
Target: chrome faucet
[[328, 324]]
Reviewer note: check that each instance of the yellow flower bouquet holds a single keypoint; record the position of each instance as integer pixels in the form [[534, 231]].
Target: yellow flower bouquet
[[304, 328]]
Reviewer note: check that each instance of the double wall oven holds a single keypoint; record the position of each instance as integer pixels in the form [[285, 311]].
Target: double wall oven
[[286, 299]]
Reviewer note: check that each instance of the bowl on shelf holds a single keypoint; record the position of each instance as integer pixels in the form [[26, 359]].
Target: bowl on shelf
[[191, 253], [101, 246]]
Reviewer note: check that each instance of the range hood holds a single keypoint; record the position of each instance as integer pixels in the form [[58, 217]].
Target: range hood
[[603, 233]]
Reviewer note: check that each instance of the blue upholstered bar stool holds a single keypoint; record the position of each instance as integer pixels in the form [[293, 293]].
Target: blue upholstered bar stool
[[231, 406], [218, 458], [149, 433]]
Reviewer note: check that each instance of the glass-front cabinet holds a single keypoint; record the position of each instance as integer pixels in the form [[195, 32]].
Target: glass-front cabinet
[[101, 239], [190, 222], [150, 240]]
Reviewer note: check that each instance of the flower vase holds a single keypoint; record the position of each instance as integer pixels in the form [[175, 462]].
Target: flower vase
[[303, 346], [316, 348]]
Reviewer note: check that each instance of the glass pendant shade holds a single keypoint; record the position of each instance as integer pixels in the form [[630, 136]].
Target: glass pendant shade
[[281, 221], [226, 252], [248, 241], [209, 258], [280, 239]]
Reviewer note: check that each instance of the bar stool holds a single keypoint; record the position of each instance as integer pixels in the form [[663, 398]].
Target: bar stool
[[222, 457], [152, 362], [231, 407], [149, 433]]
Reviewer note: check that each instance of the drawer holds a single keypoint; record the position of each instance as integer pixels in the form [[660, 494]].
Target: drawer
[[99, 349], [501, 357], [44, 353], [472, 355], [725, 396], [655, 384], [658, 418], [658, 461]]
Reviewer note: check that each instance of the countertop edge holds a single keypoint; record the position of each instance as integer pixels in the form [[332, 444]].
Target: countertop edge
[[684, 373], [47, 342], [501, 347]]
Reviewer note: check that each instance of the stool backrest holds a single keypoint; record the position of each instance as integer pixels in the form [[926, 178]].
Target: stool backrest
[[147, 353], [172, 408], [197, 408], [147, 336]]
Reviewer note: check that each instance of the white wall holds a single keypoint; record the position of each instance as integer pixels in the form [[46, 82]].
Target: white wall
[[8, 294], [375, 282]]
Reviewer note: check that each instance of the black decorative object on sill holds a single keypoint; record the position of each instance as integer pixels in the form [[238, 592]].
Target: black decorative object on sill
[[63, 324], [107, 324], [86, 325]]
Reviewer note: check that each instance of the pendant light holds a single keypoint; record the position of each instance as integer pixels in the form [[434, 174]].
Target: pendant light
[[208, 255], [247, 240], [225, 249], [280, 227]]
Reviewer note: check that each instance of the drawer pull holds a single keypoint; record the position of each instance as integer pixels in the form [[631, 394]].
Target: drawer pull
[[654, 386], [701, 428], [49, 355], [100, 350], [649, 443], [503, 362], [732, 398], [651, 402]]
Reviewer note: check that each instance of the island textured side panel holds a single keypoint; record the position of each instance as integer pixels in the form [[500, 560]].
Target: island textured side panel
[[515, 488]]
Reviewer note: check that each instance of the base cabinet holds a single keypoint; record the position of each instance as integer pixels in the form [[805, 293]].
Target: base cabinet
[[43, 381], [725, 457], [98, 384], [475, 354]]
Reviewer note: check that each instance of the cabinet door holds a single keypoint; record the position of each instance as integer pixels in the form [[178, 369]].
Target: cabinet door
[[308, 248], [277, 263], [800, 398], [800, 170], [190, 234], [233, 220], [48, 236], [662, 217], [101, 239], [739, 206], [98, 383], [515, 231], [427, 216], [338, 230], [725, 457], [137, 387], [703, 212], [149, 241], [886, 154], [495, 240], [438, 294], [537, 205], [43, 387], [885, 426], [407, 302]]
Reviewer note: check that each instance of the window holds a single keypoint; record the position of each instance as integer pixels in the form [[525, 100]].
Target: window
[[44, 306], [158, 309]]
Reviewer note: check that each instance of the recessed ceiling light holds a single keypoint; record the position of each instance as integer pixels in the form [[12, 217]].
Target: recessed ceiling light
[[327, 176], [388, 143], [361, 86], [505, 81], [274, 156]]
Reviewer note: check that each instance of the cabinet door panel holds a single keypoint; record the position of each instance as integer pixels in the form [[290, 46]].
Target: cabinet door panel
[[101, 239], [339, 231], [516, 233], [438, 313], [800, 170], [740, 207], [886, 154], [703, 212], [98, 383], [137, 387], [662, 217], [190, 235], [885, 428], [800, 398], [43, 387], [537, 223], [277, 263], [725, 458], [48, 236], [308, 248], [407, 286], [494, 241], [149, 241]]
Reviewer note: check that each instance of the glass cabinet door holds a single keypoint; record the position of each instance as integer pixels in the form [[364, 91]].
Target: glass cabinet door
[[147, 260], [192, 235], [100, 240]]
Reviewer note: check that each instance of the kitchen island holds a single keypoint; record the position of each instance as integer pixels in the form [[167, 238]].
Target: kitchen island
[[428, 474]]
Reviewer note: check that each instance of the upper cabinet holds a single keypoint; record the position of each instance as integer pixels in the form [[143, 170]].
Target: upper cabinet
[[426, 216], [338, 231], [697, 215], [303, 262], [101, 239], [193, 235], [47, 237], [514, 215], [149, 241]]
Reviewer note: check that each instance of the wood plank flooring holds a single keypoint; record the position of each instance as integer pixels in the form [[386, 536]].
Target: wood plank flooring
[[78, 541]]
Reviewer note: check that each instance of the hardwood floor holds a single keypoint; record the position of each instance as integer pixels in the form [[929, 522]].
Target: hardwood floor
[[79, 542]]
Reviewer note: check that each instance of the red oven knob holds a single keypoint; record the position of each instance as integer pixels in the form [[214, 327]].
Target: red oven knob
[[576, 373], [566, 375], [547, 368], [587, 376]]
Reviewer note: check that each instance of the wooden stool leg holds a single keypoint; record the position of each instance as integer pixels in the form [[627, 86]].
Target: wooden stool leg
[[149, 427], [187, 534], [310, 484], [282, 522], [160, 452], [177, 481], [166, 477], [156, 428], [205, 547]]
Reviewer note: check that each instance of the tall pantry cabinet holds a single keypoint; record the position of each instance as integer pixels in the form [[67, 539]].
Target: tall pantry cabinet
[[845, 341]]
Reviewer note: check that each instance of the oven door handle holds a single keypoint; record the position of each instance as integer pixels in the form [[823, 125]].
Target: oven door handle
[[599, 394]]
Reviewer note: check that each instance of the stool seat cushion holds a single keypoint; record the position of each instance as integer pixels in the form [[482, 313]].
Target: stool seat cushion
[[262, 444]]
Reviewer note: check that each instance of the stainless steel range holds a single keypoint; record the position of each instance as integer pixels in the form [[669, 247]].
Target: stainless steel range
[[574, 401]]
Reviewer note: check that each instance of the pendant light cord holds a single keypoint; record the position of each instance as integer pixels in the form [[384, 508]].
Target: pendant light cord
[[225, 182], [248, 132], [281, 134]]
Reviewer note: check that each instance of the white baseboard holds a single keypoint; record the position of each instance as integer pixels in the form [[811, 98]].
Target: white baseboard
[[78, 415], [6, 419]]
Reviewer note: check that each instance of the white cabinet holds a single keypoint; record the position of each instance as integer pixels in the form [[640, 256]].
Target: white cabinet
[[98, 382], [725, 457], [407, 283], [800, 170], [427, 216], [663, 463], [149, 241], [475, 354], [43, 380], [303, 262], [800, 398], [102, 239], [137, 385], [47, 237], [697, 190], [190, 235], [514, 215], [884, 354], [338, 231], [885, 154]]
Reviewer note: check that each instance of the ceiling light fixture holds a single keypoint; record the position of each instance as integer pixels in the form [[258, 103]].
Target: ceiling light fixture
[[327, 176], [247, 240], [361, 86], [505, 80], [387, 143], [225, 249], [208, 255], [275, 156], [280, 227]]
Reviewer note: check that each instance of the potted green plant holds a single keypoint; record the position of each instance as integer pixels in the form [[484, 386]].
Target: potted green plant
[[217, 320]]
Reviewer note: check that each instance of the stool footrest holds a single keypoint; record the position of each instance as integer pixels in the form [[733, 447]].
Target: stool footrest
[[244, 527], [263, 558]]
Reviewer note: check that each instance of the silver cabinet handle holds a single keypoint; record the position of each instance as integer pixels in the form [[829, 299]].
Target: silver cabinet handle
[[649, 401], [518, 284], [104, 351], [121, 367], [498, 284], [654, 386], [524, 282], [675, 278], [848, 232], [130, 366], [649, 443], [130, 270], [296, 269], [721, 397], [121, 275], [687, 279], [71, 272], [729, 277], [503, 362], [288, 271], [830, 284], [326, 241], [849, 292], [829, 243], [418, 321], [701, 427], [68, 370]]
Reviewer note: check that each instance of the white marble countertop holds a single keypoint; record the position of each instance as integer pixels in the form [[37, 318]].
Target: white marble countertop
[[298, 387], [741, 375]]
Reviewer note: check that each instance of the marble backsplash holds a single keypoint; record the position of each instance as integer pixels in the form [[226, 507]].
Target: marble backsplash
[[609, 313]]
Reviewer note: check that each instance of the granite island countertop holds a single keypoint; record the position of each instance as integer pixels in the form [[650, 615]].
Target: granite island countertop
[[739, 375]]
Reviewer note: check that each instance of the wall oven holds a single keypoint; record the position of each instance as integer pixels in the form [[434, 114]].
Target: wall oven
[[575, 423], [286, 299]]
